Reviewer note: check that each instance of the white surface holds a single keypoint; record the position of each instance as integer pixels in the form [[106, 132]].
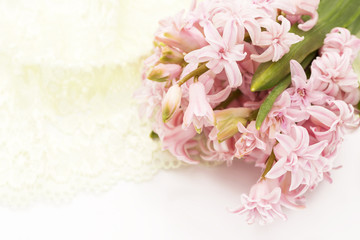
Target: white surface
[[190, 203]]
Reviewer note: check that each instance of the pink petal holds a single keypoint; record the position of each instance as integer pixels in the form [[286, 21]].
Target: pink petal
[[215, 65], [266, 56], [285, 24], [286, 142], [233, 73], [296, 180], [298, 75], [309, 24], [212, 36], [274, 196], [230, 33], [202, 55], [322, 116], [277, 169], [253, 29], [220, 96], [316, 149], [236, 53], [188, 117]]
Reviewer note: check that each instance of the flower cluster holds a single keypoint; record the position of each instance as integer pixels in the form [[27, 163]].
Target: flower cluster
[[196, 90]]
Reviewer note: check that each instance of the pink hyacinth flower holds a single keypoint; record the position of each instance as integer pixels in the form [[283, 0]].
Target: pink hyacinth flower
[[150, 95], [296, 155], [340, 40], [333, 72], [213, 150], [199, 111], [222, 53], [244, 14], [175, 33], [302, 92], [308, 8], [352, 97], [271, 7], [330, 124], [281, 117], [249, 140], [277, 39], [340, 114], [263, 202], [178, 142]]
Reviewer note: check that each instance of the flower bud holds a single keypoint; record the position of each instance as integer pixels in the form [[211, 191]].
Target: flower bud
[[227, 121], [164, 72], [170, 55], [171, 102], [184, 39]]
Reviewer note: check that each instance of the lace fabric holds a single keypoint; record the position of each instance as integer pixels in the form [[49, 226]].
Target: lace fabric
[[55, 146], [68, 121]]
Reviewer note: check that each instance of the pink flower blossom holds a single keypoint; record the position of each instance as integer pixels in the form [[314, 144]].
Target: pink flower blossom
[[302, 92], [175, 33], [292, 199], [308, 8], [178, 141], [352, 97], [216, 90], [296, 155], [199, 111], [340, 40], [331, 135], [249, 140], [281, 117], [271, 7], [329, 124], [248, 65], [339, 115], [333, 73], [150, 95], [213, 150], [244, 15], [277, 40], [262, 203], [222, 53]]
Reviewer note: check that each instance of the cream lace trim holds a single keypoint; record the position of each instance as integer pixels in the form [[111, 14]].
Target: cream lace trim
[[68, 121]]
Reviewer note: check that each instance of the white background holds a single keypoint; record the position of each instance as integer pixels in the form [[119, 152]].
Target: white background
[[191, 203]]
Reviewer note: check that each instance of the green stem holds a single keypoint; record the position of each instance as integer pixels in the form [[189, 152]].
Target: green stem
[[269, 164], [253, 115], [197, 72]]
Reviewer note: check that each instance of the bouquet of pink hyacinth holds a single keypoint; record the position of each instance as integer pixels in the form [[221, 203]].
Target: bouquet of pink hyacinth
[[269, 82]]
